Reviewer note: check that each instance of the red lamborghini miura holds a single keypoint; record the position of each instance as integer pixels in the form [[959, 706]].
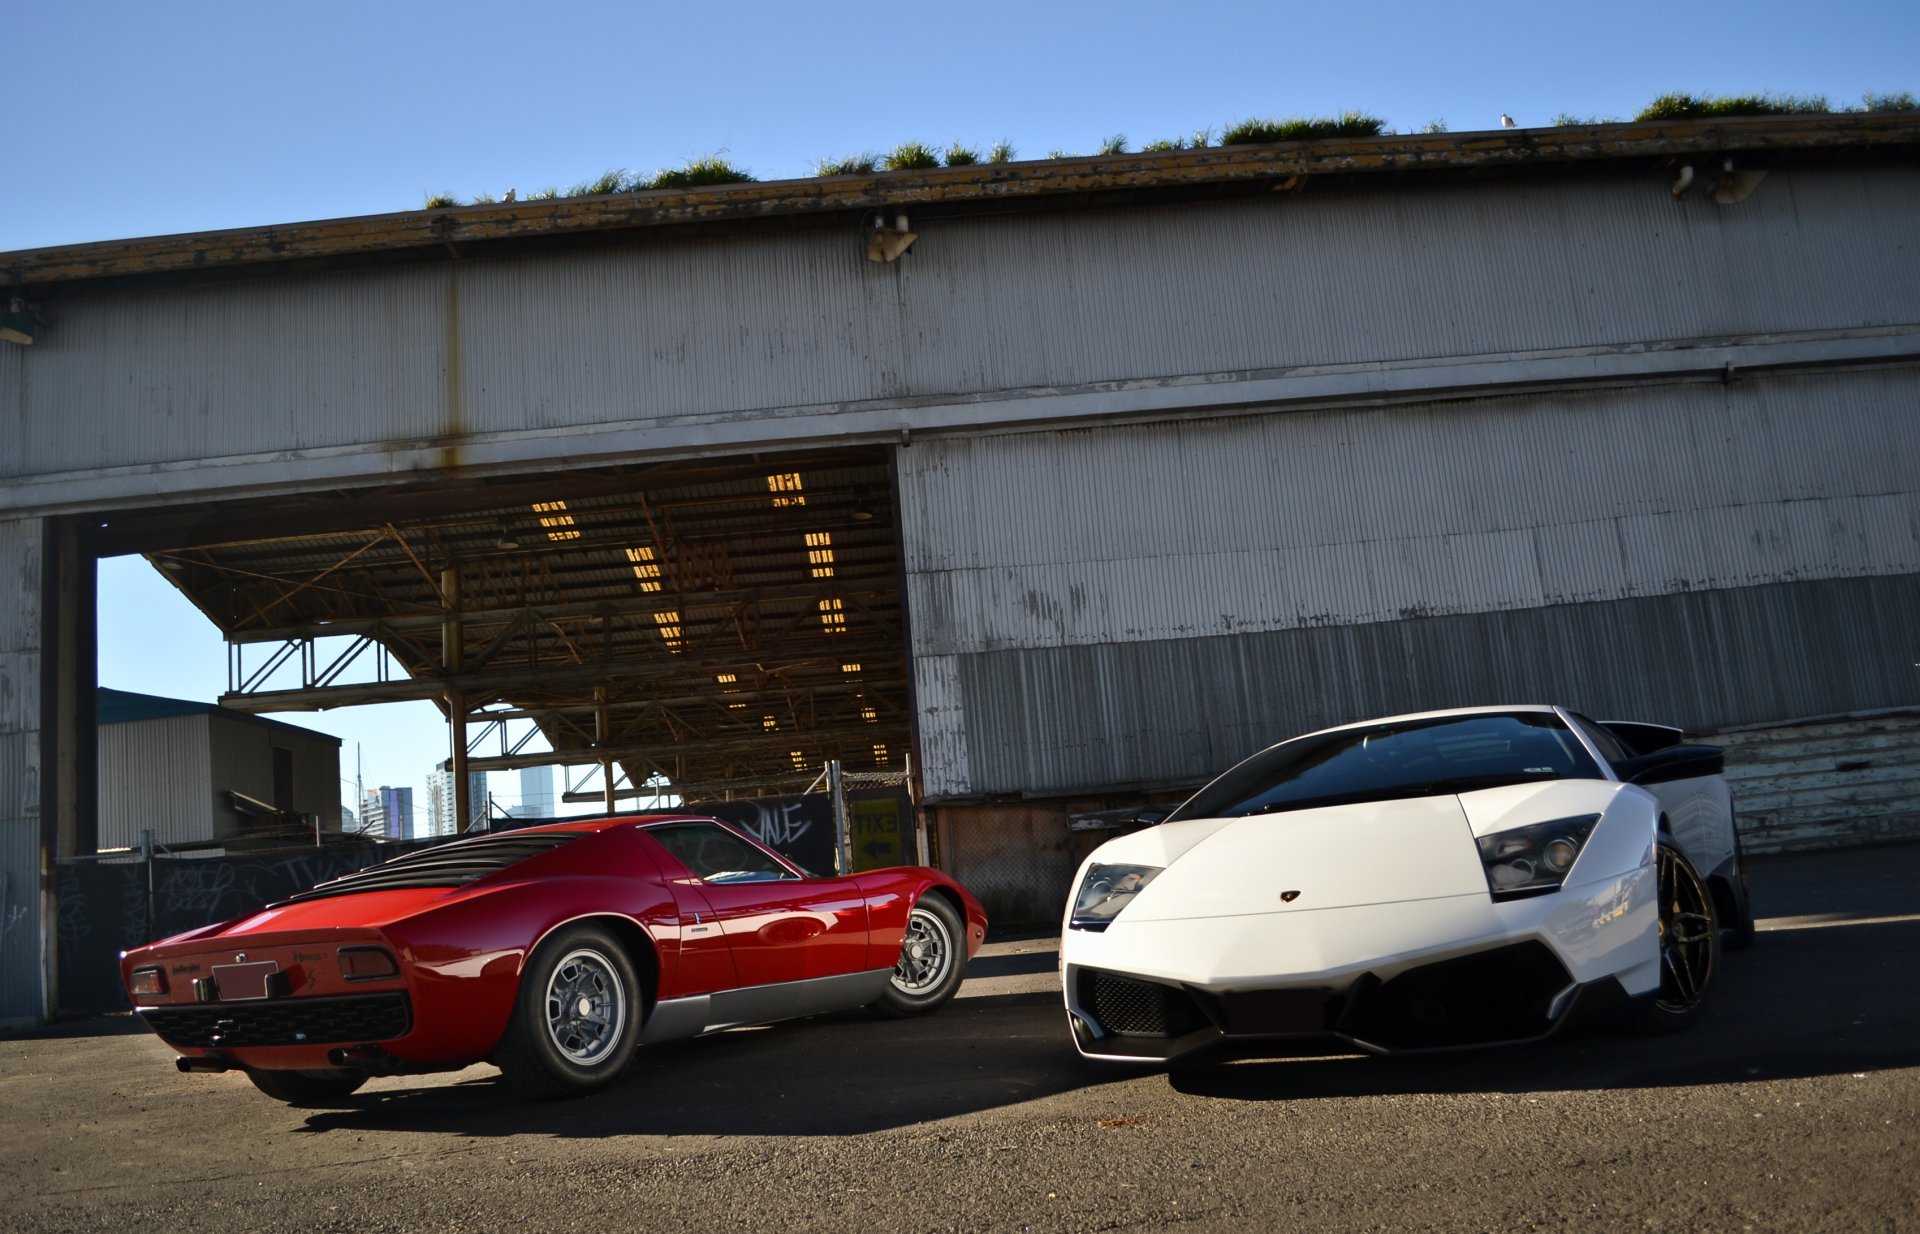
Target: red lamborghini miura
[[551, 952]]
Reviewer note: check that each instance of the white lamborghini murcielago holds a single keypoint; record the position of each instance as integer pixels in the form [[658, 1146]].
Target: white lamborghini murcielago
[[1454, 878]]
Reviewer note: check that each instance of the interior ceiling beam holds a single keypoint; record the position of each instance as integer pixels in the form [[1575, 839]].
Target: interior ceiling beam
[[768, 749], [484, 687], [641, 606]]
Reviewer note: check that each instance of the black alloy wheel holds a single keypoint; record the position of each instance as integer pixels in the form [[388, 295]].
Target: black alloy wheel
[[1689, 936]]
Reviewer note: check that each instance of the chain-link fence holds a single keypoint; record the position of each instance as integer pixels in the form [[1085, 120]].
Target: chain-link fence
[[1018, 858]]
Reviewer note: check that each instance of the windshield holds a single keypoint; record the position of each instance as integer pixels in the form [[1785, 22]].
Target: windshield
[[1407, 758]]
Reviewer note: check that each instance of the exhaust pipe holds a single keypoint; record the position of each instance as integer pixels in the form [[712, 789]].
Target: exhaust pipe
[[208, 1065]]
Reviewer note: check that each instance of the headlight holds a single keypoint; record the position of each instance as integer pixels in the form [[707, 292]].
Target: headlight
[[1105, 891], [1531, 861]]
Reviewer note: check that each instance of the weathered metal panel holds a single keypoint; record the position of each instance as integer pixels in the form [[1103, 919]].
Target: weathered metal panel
[[1085, 719], [154, 775], [20, 570], [359, 374], [1184, 529], [1835, 782], [22, 908]]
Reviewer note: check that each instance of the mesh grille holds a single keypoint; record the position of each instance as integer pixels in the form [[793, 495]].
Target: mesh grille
[[296, 1021], [1136, 1008], [444, 865]]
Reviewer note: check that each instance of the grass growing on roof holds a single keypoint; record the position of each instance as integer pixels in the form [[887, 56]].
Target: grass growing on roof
[[1302, 128], [864, 164], [958, 155], [613, 180], [1875, 101], [1683, 106], [710, 169], [440, 201], [1567, 119], [911, 156], [1116, 144]]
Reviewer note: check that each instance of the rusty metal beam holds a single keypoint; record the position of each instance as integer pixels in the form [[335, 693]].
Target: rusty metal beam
[[438, 233]]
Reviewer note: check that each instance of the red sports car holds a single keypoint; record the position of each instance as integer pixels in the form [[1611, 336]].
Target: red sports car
[[551, 952]]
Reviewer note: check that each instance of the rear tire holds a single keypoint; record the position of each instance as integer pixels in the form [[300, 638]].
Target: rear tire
[[325, 1087], [576, 1018], [933, 961], [1689, 936]]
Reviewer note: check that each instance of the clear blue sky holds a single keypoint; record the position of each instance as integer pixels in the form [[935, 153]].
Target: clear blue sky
[[131, 119]]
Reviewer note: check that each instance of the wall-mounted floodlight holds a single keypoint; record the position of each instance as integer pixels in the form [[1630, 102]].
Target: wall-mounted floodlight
[[1736, 185], [886, 242], [19, 322]]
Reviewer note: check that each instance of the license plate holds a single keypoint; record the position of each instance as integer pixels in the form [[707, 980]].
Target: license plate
[[239, 982], [1276, 1011]]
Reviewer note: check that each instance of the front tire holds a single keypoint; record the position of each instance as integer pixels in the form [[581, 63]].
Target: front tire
[[933, 961], [324, 1087], [576, 1018], [1689, 936]]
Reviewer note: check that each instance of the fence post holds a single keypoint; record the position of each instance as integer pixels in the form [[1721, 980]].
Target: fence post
[[842, 851], [146, 859]]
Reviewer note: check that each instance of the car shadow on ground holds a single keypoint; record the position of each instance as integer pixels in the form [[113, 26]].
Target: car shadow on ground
[[831, 1075]]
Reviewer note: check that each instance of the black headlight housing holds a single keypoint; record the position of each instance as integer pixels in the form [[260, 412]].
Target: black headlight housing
[[1534, 860], [1105, 891]]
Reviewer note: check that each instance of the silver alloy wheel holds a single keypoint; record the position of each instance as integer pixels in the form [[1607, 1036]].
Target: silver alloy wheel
[[926, 953], [586, 1006], [1686, 929]]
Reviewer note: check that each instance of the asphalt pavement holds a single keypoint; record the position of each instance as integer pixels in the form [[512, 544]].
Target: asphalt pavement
[[1792, 1106]]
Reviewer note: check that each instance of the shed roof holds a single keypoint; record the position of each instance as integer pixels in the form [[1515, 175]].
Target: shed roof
[[126, 707]]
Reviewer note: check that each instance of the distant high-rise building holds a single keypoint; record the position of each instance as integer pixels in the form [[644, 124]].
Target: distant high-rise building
[[536, 792], [388, 812], [440, 803]]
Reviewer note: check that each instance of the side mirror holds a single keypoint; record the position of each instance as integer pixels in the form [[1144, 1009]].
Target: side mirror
[[1673, 763]]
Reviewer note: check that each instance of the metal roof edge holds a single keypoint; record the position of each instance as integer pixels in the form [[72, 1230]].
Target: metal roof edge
[[450, 229]]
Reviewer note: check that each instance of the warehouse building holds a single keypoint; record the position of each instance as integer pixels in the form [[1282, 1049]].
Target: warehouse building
[[1053, 488]]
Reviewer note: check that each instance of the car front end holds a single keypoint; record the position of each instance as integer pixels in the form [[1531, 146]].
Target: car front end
[[1416, 921]]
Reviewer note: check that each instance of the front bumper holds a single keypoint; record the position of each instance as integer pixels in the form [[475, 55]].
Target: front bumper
[[1507, 995], [1431, 975]]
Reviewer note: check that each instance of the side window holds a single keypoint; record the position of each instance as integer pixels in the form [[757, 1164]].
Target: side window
[[716, 855], [1608, 745]]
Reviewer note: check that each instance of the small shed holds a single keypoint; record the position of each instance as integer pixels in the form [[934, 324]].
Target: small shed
[[201, 774]]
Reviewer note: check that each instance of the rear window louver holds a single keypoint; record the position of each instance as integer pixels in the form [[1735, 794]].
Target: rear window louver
[[445, 865]]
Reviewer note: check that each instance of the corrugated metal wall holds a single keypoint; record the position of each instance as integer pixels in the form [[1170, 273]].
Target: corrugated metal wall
[[1143, 604], [154, 774], [284, 371], [1835, 782], [21, 927]]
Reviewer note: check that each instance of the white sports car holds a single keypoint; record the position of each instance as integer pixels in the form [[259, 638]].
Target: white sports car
[[1431, 881]]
